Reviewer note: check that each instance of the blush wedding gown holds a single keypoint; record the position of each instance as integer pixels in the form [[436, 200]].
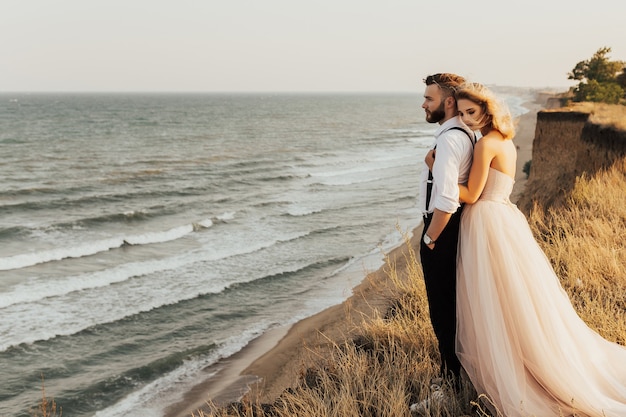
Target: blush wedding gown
[[518, 336]]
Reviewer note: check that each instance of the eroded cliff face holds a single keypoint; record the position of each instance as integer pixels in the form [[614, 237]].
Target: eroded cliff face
[[567, 143]]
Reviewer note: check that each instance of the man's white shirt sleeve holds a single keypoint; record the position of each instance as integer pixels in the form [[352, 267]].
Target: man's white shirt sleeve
[[451, 168], [445, 194]]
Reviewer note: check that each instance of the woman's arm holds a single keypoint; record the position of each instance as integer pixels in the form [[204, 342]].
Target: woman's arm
[[483, 155]]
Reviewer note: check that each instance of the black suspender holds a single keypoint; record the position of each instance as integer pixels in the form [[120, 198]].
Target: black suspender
[[429, 184], [471, 136]]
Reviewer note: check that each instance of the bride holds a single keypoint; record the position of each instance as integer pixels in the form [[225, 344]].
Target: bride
[[519, 338]]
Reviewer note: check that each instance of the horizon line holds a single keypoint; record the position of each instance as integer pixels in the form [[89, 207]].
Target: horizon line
[[253, 91]]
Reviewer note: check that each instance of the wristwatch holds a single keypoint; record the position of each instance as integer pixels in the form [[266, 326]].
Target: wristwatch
[[428, 240]]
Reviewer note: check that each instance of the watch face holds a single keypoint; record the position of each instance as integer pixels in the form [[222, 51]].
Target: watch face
[[427, 240]]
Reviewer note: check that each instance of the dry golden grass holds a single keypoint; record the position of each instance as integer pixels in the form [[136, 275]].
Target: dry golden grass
[[586, 243], [390, 365], [47, 407], [602, 113]]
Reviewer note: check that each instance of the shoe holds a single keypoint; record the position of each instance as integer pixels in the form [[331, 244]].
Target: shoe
[[436, 399]]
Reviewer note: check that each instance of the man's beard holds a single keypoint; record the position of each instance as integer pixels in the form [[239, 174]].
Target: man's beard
[[436, 115]]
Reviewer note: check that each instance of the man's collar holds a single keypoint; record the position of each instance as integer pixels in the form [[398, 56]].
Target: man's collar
[[453, 121]]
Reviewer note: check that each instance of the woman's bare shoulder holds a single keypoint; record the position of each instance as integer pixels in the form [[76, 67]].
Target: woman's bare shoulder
[[490, 140], [493, 135]]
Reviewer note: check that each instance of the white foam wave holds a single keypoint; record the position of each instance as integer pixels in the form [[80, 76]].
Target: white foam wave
[[91, 248], [226, 216], [160, 237], [70, 313], [372, 168], [298, 211], [206, 223], [152, 399], [82, 301], [36, 290], [363, 167], [350, 180], [86, 249]]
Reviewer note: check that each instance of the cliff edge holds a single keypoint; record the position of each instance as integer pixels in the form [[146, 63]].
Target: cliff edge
[[570, 141]]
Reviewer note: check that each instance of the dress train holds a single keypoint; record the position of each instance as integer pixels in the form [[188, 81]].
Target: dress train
[[518, 336]]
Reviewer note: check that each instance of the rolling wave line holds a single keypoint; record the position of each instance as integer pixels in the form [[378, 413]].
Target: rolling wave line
[[25, 260]]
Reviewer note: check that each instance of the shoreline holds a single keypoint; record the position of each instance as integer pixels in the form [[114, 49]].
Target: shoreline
[[271, 363]]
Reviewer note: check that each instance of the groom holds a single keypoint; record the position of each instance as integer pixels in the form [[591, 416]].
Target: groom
[[439, 194]]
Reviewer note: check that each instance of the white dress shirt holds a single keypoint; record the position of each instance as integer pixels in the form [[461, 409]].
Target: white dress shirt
[[453, 161]]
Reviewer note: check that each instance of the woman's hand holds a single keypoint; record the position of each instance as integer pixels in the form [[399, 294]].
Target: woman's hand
[[430, 159]]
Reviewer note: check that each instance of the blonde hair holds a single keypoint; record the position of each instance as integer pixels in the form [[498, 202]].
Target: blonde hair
[[496, 113]]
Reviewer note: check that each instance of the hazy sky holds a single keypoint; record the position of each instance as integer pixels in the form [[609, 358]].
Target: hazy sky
[[297, 45]]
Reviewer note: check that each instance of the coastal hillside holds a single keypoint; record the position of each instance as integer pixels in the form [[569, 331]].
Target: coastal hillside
[[569, 141]]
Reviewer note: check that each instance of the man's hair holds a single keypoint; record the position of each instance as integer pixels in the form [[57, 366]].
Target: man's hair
[[448, 82]]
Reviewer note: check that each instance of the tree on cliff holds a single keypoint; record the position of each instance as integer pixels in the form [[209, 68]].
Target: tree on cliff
[[601, 80], [621, 80]]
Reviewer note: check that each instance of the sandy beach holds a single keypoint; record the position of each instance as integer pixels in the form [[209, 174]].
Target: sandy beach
[[272, 362]]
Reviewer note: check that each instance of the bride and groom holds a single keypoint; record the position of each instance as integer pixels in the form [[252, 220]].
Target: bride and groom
[[496, 306]]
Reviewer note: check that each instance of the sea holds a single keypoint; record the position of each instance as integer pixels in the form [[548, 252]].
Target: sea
[[146, 236]]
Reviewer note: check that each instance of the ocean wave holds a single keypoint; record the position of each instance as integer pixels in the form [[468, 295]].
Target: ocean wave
[[303, 209], [229, 215], [127, 216], [37, 290], [46, 199], [169, 387], [80, 302], [25, 260], [296, 211], [278, 177], [8, 232], [421, 143], [342, 181], [115, 388], [34, 291], [370, 168]]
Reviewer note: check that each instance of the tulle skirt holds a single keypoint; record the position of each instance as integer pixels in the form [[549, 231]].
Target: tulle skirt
[[518, 336]]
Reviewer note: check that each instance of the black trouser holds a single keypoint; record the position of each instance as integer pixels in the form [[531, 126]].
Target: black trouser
[[439, 267]]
